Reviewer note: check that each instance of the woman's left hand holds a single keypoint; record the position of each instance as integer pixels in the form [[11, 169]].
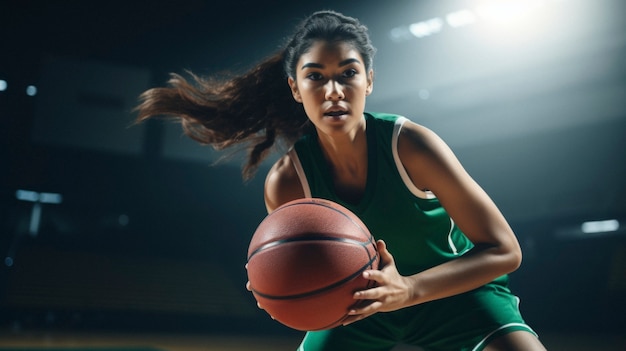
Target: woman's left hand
[[393, 291]]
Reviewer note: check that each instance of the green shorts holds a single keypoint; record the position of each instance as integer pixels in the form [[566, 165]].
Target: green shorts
[[467, 321]]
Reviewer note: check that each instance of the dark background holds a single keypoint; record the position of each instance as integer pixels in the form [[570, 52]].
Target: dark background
[[150, 235]]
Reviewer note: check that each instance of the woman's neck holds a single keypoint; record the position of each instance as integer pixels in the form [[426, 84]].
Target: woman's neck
[[347, 161], [346, 152]]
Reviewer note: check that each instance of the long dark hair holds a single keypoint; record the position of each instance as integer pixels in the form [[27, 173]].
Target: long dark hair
[[255, 109]]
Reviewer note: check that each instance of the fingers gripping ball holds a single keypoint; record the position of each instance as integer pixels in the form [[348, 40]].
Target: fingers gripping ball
[[306, 260]]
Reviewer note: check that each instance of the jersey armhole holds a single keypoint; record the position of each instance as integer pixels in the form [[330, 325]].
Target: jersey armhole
[[295, 160], [401, 170]]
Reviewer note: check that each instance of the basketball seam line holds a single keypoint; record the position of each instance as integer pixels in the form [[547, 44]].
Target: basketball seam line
[[307, 238], [326, 288]]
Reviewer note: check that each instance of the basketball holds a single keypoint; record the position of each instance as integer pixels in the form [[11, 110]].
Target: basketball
[[306, 260]]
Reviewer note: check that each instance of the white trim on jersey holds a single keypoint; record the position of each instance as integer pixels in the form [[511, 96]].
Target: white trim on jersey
[[405, 176], [300, 171]]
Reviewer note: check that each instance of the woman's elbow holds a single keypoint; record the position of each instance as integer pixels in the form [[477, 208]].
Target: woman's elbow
[[513, 258]]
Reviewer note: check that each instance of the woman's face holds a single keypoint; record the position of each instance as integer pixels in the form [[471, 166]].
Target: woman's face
[[332, 83]]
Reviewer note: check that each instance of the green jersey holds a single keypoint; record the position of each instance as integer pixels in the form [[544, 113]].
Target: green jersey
[[415, 227], [419, 234]]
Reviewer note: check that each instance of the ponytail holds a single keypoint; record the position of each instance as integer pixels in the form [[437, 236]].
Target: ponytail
[[255, 109]]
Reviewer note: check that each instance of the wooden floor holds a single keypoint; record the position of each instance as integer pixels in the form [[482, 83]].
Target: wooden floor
[[144, 341], [164, 342]]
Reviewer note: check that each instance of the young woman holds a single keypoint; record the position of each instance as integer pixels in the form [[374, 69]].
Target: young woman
[[445, 247]]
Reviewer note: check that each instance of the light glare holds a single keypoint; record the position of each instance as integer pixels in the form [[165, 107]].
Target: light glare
[[611, 225], [426, 28], [400, 34], [50, 198], [506, 12], [31, 90], [460, 18], [33, 196], [27, 195]]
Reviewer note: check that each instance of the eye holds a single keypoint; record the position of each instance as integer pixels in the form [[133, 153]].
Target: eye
[[349, 73], [314, 76]]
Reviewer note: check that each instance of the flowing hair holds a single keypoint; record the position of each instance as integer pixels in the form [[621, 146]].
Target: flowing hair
[[255, 109]]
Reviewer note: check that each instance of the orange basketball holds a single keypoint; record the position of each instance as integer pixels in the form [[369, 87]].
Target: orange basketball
[[306, 260]]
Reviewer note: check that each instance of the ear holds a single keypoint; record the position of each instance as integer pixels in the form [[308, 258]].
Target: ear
[[294, 89], [370, 83]]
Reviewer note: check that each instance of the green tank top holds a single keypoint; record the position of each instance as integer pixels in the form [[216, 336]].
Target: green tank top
[[417, 230]]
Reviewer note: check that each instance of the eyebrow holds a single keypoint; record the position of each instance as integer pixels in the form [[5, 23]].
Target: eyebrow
[[341, 64]]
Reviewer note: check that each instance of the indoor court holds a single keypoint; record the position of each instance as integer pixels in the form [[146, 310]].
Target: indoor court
[[117, 236]]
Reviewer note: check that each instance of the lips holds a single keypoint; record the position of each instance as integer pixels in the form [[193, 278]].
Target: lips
[[336, 112]]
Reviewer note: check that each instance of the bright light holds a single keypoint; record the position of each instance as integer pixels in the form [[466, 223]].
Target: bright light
[[27, 195], [611, 225], [460, 18], [50, 198], [514, 22], [500, 18], [426, 28], [508, 12], [3, 85], [35, 219], [399, 34], [31, 90], [33, 196]]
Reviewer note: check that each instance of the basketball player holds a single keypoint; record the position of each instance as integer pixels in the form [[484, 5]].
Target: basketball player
[[446, 249]]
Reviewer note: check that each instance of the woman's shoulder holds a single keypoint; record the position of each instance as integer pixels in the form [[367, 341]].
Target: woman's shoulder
[[419, 137], [426, 156], [282, 183]]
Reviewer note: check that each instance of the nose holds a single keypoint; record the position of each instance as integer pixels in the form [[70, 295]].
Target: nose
[[334, 90]]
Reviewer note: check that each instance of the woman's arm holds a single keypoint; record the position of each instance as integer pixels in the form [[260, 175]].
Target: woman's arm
[[432, 166], [282, 184]]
